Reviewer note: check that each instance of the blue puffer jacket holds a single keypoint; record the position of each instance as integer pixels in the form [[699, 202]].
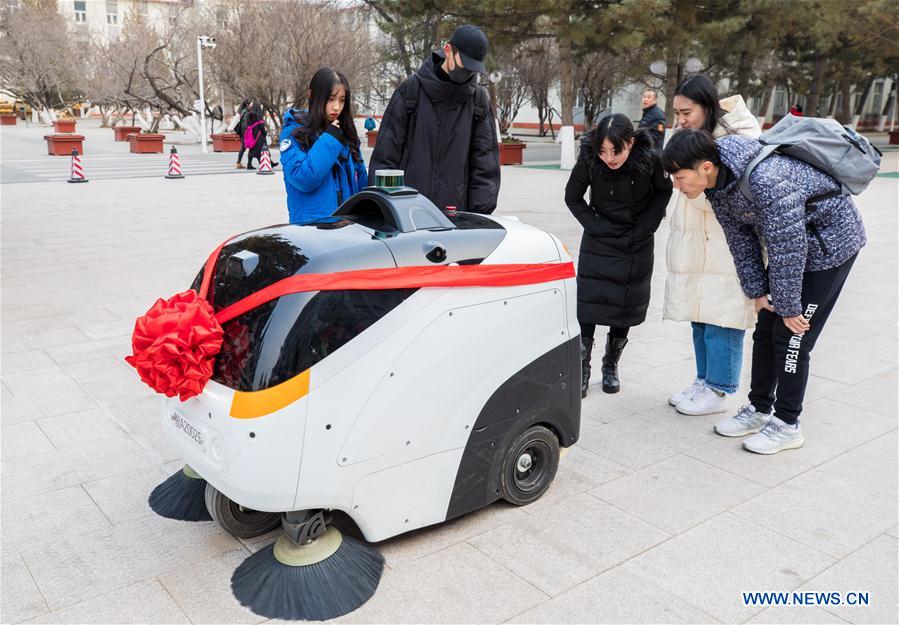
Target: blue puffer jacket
[[320, 179], [781, 185]]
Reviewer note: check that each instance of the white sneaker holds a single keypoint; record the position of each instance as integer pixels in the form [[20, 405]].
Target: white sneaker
[[706, 401], [774, 437], [690, 391], [746, 421]]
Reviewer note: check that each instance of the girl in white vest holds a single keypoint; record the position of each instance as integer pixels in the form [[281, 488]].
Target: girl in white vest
[[702, 285]]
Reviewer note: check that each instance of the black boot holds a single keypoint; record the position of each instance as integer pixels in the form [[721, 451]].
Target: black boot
[[586, 350], [614, 347]]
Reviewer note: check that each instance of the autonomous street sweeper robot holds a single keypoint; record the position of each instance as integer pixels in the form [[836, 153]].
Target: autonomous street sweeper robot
[[398, 363]]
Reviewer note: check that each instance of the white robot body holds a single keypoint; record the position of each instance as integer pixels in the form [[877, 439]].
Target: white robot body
[[403, 425]]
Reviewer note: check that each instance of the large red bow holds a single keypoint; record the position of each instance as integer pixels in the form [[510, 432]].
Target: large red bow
[[175, 345]]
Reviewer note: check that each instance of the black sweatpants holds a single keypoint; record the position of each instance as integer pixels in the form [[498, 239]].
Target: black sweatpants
[[780, 359]]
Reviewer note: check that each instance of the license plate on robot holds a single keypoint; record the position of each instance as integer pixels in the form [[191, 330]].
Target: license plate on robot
[[182, 423]]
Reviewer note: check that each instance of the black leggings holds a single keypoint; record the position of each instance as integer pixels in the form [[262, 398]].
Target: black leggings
[[589, 329], [780, 359]]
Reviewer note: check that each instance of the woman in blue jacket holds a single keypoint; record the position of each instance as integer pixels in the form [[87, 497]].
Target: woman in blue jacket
[[320, 150]]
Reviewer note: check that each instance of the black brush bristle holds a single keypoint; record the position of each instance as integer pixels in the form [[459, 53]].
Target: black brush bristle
[[317, 592], [181, 498]]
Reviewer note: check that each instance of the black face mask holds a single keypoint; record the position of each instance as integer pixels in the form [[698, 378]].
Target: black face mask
[[460, 75]]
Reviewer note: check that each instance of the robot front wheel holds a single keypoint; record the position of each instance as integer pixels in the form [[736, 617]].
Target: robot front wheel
[[529, 465], [238, 521]]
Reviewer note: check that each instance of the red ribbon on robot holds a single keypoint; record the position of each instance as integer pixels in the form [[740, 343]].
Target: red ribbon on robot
[[175, 343]]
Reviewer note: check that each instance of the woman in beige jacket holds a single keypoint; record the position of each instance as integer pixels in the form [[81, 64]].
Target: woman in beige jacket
[[702, 285]]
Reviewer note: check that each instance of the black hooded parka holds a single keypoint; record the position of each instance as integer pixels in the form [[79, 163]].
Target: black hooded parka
[[625, 209], [447, 146]]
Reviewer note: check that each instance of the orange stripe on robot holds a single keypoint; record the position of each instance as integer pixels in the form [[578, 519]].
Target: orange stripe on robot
[[251, 405]]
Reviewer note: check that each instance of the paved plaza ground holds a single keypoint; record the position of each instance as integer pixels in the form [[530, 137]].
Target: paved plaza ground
[[652, 517]]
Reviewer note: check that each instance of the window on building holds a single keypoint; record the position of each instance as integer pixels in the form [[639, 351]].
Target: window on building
[[112, 12], [877, 97], [221, 17], [80, 11], [780, 101]]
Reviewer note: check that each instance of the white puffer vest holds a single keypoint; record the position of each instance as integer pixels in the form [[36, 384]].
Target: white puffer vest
[[702, 283]]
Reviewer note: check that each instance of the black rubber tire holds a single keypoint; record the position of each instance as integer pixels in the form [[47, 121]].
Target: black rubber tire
[[523, 487], [238, 521]]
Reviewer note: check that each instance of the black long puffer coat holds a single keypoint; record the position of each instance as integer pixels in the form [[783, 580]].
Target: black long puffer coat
[[625, 209]]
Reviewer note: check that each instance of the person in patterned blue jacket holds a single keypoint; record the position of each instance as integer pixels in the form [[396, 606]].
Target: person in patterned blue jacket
[[812, 236], [320, 150]]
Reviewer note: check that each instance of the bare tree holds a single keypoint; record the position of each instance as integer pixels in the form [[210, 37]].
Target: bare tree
[[598, 74], [512, 91], [113, 70], [537, 67], [412, 30], [154, 67], [259, 59], [38, 63]]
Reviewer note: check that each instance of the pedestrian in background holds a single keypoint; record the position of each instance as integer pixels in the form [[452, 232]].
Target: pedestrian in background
[[812, 235], [439, 128], [653, 118], [628, 194], [320, 150], [239, 129], [255, 135], [702, 286], [370, 124]]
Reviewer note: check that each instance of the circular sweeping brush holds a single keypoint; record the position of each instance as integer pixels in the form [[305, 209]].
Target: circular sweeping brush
[[328, 577], [181, 497]]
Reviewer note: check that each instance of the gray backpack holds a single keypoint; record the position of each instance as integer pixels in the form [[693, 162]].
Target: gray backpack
[[825, 145]]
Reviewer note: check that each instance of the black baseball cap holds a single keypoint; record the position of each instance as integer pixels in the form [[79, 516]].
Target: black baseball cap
[[471, 42]]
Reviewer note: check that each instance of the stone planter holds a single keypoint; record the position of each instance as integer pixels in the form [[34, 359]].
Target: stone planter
[[894, 137], [122, 132], [146, 143], [64, 125], [8, 119], [62, 145], [226, 142], [511, 153], [372, 137]]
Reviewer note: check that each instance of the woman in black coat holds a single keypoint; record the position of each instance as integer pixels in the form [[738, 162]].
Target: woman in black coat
[[241, 125], [629, 190], [256, 123]]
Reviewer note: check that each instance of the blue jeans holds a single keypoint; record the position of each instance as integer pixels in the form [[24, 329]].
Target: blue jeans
[[719, 356]]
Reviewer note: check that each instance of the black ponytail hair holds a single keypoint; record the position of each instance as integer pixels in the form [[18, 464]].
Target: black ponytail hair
[[619, 130], [703, 91], [315, 121]]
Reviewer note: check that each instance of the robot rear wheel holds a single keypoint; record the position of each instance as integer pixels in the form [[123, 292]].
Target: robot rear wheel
[[529, 466], [238, 521]]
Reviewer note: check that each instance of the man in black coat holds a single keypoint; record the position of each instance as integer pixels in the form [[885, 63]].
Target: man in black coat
[[653, 118], [439, 128]]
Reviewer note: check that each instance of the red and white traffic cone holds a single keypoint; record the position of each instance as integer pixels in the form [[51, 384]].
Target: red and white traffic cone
[[265, 163], [174, 165], [77, 170]]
